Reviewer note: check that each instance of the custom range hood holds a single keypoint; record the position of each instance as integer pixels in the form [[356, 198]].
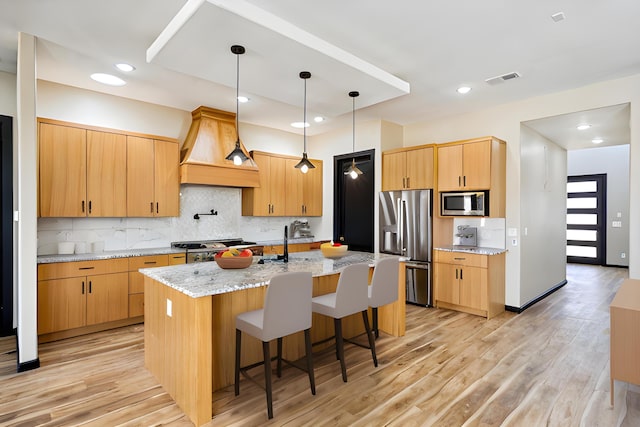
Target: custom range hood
[[211, 137]]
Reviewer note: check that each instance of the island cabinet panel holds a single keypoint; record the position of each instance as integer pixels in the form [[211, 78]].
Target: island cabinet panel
[[472, 283], [408, 168]]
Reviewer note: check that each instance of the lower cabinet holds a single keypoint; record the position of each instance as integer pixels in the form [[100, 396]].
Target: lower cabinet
[[293, 247], [467, 282], [83, 293], [136, 280]]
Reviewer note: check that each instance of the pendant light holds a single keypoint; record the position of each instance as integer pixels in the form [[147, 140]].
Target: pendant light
[[304, 164], [237, 155], [353, 170]]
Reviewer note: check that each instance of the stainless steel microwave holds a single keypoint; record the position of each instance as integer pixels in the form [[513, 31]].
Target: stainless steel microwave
[[464, 203]]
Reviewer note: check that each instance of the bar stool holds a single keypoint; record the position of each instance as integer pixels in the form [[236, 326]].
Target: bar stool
[[287, 310], [384, 287], [349, 298]]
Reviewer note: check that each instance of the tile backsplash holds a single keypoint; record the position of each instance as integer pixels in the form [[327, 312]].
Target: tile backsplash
[[491, 231], [140, 233]]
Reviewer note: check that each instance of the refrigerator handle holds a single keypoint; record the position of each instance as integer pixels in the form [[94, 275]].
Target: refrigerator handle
[[399, 235], [403, 215]]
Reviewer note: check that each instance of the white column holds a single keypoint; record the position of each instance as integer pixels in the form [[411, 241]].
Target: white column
[[27, 190]]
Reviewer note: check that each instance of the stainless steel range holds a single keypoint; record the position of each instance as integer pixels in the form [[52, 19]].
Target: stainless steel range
[[205, 250]]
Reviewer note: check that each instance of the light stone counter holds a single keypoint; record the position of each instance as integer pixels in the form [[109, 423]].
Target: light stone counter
[[478, 250], [206, 278], [47, 259]]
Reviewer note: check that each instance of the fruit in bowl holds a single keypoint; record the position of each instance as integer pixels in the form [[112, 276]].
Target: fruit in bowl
[[333, 250], [234, 258]]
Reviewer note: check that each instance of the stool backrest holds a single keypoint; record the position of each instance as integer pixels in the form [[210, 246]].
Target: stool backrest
[[352, 294], [287, 304], [384, 284]]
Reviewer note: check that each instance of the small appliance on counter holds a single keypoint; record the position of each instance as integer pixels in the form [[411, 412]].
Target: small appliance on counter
[[300, 228], [205, 250], [467, 237]]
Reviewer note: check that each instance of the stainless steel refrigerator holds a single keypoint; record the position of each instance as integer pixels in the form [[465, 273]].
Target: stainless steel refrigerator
[[405, 230]]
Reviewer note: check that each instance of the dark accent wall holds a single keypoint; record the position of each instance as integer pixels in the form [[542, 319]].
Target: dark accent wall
[[6, 236]]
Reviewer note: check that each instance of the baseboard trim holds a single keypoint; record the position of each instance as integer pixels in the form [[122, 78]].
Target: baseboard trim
[[28, 366], [535, 300]]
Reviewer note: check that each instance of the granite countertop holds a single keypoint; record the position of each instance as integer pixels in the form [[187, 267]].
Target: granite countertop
[[47, 259], [290, 241], [206, 278], [480, 250]]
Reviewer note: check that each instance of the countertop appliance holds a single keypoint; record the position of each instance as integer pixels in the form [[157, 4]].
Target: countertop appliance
[[464, 203], [405, 230], [300, 228], [205, 250]]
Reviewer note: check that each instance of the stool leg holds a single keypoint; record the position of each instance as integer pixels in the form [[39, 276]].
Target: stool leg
[[279, 368], [237, 370], [374, 312], [340, 347], [307, 342], [267, 377], [372, 341]]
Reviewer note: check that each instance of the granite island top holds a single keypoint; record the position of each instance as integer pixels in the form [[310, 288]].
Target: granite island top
[[480, 250], [206, 278]]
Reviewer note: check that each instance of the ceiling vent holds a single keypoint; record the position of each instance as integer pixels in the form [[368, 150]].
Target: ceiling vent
[[502, 78]]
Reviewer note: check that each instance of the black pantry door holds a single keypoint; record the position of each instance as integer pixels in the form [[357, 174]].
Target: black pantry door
[[6, 235], [353, 204]]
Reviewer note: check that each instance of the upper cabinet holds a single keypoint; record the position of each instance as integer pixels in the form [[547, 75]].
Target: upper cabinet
[[284, 190], [408, 168], [86, 171], [153, 186], [82, 172], [475, 164]]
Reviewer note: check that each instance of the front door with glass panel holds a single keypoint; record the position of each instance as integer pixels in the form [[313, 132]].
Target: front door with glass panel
[[586, 218]]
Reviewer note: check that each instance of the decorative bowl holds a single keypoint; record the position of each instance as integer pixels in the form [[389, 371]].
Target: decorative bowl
[[234, 262], [329, 251]]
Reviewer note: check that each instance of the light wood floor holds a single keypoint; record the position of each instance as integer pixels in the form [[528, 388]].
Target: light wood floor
[[546, 366]]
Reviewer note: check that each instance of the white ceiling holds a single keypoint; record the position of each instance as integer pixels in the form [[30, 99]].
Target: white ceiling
[[346, 45]]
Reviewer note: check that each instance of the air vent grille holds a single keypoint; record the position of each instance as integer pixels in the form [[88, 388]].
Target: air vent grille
[[502, 78]]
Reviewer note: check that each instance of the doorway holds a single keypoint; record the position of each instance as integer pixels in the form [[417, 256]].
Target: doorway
[[586, 216], [353, 204], [6, 233]]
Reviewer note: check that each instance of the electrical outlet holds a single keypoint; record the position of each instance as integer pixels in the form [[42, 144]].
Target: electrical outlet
[[616, 224], [623, 255], [169, 308], [514, 242]]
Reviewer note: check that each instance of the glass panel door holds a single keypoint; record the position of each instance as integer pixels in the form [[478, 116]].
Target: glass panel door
[[586, 215]]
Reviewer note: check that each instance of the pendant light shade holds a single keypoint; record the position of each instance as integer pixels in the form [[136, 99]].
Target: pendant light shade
[[353, 170], [304, 164], [237, 155]]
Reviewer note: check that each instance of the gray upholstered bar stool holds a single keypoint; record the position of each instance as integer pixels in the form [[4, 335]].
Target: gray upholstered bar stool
[[349, 298], [287, 310], [384, 287]]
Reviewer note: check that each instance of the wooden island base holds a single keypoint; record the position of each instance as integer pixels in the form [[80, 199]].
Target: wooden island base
[[191, 351]]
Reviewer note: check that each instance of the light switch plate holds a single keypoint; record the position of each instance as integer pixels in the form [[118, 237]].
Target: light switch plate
[[512, 232], [616, 224]]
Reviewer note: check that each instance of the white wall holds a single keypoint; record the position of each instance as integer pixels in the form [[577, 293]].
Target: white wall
[[543, 191], [504, 122], [8, 94], [614, 162]]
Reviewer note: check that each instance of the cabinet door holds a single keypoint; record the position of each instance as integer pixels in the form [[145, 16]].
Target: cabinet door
[[446, 277], [450, 168], [476, 160], [473, 287], [63, 171], [420, 168], [61, 304], [261, 198], [166, 179], [312, 190], [277, 188], [393, 171], [107, 298], [140, 178], [294, 183], [106, 174]]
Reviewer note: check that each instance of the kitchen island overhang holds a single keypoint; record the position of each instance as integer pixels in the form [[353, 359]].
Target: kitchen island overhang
[[190, 321]]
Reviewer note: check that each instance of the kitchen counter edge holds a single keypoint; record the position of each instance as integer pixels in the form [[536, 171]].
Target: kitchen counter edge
[[479, 250]]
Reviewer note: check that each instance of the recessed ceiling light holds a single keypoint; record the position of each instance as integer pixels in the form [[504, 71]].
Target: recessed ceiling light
[[597, 140], [243, 99], [463, 89], [300, 125], [108, 79], [557, 17], [318, 119], [583, 126], [127, 68]]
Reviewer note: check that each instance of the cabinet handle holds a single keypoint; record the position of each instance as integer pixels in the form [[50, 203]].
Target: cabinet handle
[[151, 207], [404, 182], [464, 180], [408, 182], [83, 206], [90, 286], [83, 287], [89, 206], [456, 274], [459, 259], [86, 268], [460, 275], [157, 207], [149, 262], [459, 181]]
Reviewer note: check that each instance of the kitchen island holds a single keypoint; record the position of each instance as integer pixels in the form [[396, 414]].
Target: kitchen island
[[190, 321]]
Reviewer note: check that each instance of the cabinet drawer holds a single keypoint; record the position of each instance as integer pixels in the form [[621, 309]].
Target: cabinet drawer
[[175, 259], [59, 270], [149, 261], [461, 258]]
